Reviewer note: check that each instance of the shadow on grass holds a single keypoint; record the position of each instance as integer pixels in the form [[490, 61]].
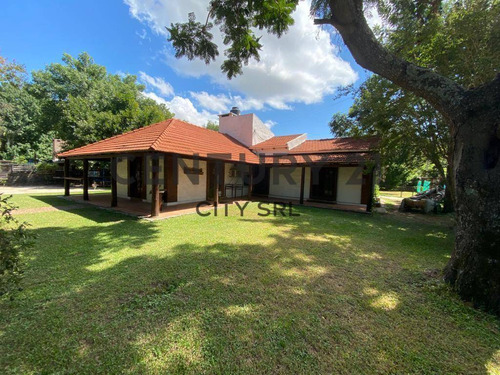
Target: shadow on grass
[[323, 292]]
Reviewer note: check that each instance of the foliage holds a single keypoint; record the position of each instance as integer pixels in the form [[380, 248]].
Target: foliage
[[14, 239], [412, 133], [212, 125], [47, 168], [237, 20], [21, 136], [85, 104], [456, 39]]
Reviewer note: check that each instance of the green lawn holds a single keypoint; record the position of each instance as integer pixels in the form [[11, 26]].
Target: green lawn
[[326, 292]]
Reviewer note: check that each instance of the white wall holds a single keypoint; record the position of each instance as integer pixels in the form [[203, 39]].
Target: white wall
[[349, 185], [285, 189], [187, 191], [122, 177], [247, 129]]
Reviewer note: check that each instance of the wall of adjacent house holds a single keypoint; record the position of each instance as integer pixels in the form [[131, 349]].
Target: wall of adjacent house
[[281, 187], [230, 178], [122, 177], [349, 185], [191, 188]]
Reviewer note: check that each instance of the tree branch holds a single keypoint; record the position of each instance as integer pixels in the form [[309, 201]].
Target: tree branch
[[441, 92]]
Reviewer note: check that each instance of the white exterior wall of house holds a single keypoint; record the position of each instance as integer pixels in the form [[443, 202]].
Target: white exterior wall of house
[[235, 180], [122, 177], [288, 189], [189, 191], [349, 185]]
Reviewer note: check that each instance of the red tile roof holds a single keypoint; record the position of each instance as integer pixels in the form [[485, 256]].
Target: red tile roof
[[171, 136], [336, 145], [179, 137], [276, 142]]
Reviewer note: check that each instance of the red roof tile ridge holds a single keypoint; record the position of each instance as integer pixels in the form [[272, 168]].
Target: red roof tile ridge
[[159, 138], [113, 137]]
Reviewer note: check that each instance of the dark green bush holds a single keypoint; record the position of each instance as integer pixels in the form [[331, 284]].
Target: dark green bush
[[13, 240]]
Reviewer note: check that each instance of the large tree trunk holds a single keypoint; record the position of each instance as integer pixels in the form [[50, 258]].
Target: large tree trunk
[[474, 268], [474, 118], [449, 196]]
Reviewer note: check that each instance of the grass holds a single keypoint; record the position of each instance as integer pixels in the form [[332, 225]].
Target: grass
[[396, 194], [325, 292]]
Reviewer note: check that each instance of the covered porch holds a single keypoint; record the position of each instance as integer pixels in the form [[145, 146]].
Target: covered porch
[[139, 208], [155, 184]]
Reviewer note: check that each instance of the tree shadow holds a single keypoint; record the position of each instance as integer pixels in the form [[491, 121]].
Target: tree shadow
[[315, 294]]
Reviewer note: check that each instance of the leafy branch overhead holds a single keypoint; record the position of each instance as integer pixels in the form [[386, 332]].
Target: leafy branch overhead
[[237, 20]]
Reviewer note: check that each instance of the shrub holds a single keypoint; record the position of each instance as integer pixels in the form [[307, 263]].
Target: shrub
[[13, 240]]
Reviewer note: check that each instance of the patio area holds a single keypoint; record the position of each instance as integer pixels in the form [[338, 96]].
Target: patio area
[[138, 208], [142, 209]]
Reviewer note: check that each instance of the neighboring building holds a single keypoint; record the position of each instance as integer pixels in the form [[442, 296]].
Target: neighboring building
[[193, 164]]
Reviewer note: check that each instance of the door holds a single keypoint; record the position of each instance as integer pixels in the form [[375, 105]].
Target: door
[[215, 174], [171, 176], [366, 188], [136, 175], [261, 178], [326, 187]]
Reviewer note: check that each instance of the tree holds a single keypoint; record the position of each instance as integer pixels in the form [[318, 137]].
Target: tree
[[21, 136], [84, 103], [472, 113], [212, 125], [412, 133], [422, 36]]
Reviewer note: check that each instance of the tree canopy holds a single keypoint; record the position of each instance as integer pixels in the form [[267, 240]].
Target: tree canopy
[[85, 103], [77, 101]]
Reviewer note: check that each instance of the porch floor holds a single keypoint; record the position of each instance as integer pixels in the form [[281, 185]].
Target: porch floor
[[138, 207], [143, 209]]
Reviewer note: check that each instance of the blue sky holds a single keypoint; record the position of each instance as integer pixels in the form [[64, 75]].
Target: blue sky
[[292, 88]]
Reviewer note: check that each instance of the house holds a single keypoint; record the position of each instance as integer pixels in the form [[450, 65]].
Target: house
[[184, 163]]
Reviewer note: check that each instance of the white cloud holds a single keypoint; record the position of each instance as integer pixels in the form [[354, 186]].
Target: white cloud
[[142, 34], [301, 67], [270, 123], [373, 17], [184, 109], [164, 88]]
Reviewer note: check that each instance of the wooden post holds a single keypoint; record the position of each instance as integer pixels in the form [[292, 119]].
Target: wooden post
[[85, 179], [66, 176], [250, 182], [371, 180], [302, 181], [155, 192], [114, 192], [217, 171]]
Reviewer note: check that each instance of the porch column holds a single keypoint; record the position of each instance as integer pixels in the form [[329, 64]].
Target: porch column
[[217, 179], [114, 192], [155, 191], [371, 180], [85, 179], [250, 181], [66, 177], [302, 180]]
